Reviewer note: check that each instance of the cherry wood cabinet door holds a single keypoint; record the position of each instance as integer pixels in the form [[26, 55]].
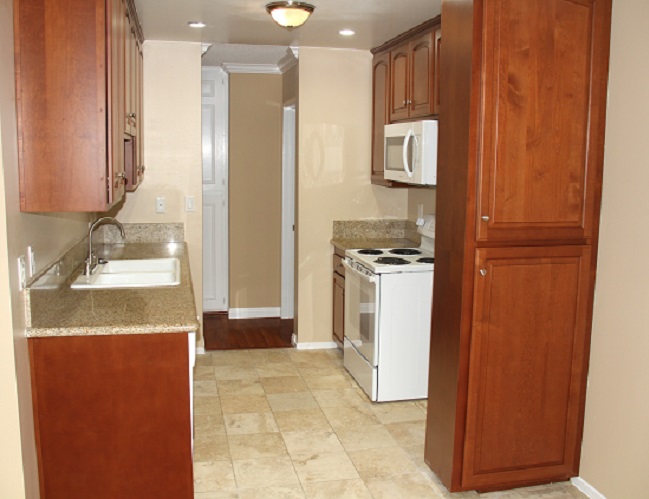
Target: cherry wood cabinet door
[[339, 308], [62, 104], [380, 103], [116, 21], [437, 40], [422, 76], [399, 82], [528, 363], [112, 416], [545, 66]]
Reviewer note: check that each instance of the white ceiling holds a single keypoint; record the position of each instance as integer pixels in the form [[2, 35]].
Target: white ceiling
[[245, 22]]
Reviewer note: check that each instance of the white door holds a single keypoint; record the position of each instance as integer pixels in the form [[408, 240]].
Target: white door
[[214, 131]]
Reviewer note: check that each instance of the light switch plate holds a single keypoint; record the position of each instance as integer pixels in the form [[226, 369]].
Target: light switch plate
[[190, 204]]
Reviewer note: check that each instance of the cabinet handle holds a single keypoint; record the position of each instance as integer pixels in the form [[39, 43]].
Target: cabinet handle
[[483, 272], [485, 218], [131, 115]]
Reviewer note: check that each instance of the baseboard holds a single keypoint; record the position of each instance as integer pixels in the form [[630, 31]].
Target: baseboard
[[587, 488], [319, 345], [200, 350], [253, 313]]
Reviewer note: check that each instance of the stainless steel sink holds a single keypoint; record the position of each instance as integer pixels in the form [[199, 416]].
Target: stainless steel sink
[[145, 273]]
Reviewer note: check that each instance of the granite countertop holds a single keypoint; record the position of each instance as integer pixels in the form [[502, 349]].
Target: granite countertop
[[73, 312], [361, 243]]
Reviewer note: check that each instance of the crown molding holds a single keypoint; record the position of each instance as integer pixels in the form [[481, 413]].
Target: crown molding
[[289, 60], [204, 48], [251, 68]]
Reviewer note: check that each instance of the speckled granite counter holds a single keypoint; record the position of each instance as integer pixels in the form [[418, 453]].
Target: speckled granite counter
[[365, 234], [61, 311]]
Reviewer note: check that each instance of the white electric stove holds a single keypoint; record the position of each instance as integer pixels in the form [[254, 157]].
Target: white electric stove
[[388, 308]]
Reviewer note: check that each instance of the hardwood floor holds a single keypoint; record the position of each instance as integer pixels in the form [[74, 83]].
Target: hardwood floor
[[222, 333]]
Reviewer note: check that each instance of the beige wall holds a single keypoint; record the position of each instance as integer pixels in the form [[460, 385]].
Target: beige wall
[[424, 196], [172, 147], [255, 173], [50, 235], [333, 173], [615, 452]]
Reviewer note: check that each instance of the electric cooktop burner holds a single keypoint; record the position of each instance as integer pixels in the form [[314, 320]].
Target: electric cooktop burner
[[370, 252], [426, 259], [405, 251], [391, 260]]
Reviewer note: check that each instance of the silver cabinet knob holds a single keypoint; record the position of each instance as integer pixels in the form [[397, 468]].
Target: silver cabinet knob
[[485, 218], [483, 272]]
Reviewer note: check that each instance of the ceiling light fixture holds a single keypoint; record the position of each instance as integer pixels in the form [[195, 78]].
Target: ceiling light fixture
[[196, 24], [290, 14], [347, 32]]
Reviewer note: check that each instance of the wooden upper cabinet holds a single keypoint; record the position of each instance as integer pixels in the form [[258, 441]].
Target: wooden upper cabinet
[[70, 69], [411, 78], [405, 85], [527, 364], [544, 68], [437, 40], [399, 83], [422, 68], [380, 102]]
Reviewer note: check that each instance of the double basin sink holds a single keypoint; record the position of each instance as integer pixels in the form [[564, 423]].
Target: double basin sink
[[147, 273]]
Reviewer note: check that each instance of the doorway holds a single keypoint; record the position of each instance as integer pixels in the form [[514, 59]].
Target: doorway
[[249, 210]]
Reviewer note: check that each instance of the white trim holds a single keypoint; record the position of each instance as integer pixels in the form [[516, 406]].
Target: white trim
[[587, 488], [287, 282], [200, 350], [319, 345], [251, 68], [204, 48], [288, 61], [253, 313]]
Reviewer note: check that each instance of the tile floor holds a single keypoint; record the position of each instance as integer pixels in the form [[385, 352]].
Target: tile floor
[[288, 423]]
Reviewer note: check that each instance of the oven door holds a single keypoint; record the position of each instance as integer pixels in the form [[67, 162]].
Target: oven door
[[361, 312]]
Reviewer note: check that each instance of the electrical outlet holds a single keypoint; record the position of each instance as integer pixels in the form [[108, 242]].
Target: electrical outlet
[[31, 261], [22, 273], [160, 205]]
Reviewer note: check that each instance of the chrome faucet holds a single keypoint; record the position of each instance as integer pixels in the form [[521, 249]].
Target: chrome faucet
[[91, 261]]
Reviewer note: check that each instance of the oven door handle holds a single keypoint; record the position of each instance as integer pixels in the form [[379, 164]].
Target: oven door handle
[[365, 277]]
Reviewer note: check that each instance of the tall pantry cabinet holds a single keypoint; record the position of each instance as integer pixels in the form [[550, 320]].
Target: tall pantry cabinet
[[518, 200]]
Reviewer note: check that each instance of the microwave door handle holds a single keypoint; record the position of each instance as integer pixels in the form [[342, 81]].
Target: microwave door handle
[[406, 141]]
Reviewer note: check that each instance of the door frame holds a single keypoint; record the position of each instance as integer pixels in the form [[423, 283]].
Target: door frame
[[289, 127]]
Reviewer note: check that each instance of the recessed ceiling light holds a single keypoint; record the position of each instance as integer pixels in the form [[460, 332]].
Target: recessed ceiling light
[[196, 24], [347, 32]]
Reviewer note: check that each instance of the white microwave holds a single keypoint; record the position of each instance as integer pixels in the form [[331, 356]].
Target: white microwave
[[411, 152]]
